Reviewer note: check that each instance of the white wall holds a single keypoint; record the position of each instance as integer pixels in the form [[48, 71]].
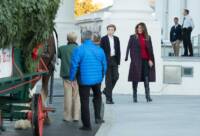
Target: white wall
[[64, 24], [166, 10], [126, 20], [189, 85], [124, 30], [161, 11], [125, 17], [175, 9], [193, 6]]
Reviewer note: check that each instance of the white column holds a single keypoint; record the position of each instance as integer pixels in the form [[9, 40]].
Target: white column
[[65, 11], [162, 16], [175, 9], [64, 24], [142, 5], [65, 20], [125, 14], [166, 10], [193, 6]]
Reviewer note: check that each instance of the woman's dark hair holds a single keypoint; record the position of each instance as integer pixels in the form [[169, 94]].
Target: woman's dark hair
[[143, 25]]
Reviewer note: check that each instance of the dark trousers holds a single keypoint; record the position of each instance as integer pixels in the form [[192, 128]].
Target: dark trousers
[[84, 98], [112, 76], [187, 41], [145, 78]]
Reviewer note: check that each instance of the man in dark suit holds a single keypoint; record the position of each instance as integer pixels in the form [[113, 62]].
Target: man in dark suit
[[187, 27], [176, 36], [111, 46]]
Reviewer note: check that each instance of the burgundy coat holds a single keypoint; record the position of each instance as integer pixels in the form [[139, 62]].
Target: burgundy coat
[[135, 70]]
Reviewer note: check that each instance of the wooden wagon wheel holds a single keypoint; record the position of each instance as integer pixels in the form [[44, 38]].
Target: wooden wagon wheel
[[37, 115]]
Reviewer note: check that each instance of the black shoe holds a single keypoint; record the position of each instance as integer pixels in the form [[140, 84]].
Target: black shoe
[[109, 102], [84, 128], [99, 121], [135, 100], [149, 99], [184, 55], [75, 121], [191, 55], [67, 121]]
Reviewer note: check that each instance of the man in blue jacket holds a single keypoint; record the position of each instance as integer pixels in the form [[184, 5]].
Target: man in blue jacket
[[176, 36], [89, 64]]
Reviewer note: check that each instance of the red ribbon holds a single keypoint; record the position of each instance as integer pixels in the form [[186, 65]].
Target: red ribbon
[[35, 53]]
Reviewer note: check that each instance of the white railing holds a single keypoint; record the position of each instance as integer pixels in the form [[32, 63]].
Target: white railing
[[167, 49]]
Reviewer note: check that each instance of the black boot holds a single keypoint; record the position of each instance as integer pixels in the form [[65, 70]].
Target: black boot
[[135, 85], [147, 89]]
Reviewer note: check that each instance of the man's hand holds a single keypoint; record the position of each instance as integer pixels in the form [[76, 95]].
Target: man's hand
[[73, 84], [75, 88]]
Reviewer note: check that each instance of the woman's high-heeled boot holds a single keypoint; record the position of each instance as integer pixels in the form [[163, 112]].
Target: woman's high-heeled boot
[[147, 90], [135, 85]]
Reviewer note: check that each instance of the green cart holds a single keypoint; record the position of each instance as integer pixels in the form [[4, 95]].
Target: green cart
[[15, 100]]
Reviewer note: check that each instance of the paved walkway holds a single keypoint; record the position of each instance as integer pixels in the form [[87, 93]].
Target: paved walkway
[[57, 127], [166, 116]]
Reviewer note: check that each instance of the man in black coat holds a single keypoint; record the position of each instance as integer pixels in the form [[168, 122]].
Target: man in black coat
[[111, 46], [176, 36], [187, 28]]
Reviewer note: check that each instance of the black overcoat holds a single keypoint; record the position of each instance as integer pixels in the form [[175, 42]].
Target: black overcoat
[[135, 70], [105, 45]]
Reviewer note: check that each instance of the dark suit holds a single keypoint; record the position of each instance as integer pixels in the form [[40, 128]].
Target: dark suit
[[176, 33], [187, 43], [175, 38], [105, 45], [112, 74]]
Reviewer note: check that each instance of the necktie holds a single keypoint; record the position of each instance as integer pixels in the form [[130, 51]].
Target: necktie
[[183, 21]]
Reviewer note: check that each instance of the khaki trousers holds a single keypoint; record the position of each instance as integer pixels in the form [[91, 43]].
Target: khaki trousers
[[176, 47], [71, 101]]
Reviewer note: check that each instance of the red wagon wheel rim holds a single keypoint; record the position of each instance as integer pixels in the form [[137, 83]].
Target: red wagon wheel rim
[[40, 116]]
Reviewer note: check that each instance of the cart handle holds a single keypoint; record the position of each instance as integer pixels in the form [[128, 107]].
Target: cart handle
[[21, 84]]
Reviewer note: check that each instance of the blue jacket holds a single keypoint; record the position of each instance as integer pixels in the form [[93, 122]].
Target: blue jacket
[[176, 33], [88, 63]]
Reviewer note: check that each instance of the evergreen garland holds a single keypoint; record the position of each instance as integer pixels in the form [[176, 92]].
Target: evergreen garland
[[26, 23]]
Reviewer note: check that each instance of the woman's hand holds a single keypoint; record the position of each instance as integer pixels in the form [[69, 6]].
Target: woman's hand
[[151, 63]]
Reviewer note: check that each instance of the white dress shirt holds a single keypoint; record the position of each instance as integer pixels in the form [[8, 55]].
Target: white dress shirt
[[176, 25], [188, 22], [112, 45]]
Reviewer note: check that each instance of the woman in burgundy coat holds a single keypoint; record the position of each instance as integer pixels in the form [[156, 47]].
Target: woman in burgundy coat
[[142, 67]]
